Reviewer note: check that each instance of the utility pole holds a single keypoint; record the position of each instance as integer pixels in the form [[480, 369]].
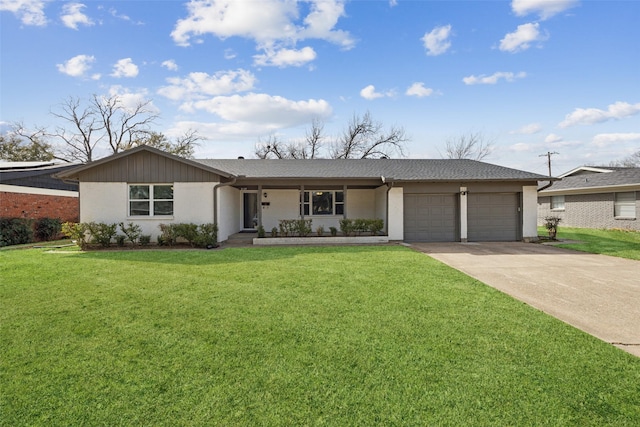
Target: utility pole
[[548, 156]]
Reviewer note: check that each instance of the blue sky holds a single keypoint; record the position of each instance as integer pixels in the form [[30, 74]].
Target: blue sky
[[532, 76]]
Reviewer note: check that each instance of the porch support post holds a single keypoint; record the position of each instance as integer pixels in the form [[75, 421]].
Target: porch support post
[[463, 214], [259, 207], [344, 195], [302, 201]]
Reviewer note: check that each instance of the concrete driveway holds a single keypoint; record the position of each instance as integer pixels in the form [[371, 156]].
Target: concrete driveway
[[595, 293]]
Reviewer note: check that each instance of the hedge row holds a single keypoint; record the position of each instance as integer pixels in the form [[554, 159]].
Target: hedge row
[[18, 231]]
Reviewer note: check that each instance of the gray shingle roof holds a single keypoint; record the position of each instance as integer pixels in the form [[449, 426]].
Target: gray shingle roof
[[619, 176], [391, 169]]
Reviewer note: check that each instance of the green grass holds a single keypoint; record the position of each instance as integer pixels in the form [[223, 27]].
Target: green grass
[[620, 243], [289, 336]]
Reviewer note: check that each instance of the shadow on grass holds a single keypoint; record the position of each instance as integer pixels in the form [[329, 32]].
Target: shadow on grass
[[231, 255]]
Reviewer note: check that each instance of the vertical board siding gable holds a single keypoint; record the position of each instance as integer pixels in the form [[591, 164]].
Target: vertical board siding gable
[[148, 168]]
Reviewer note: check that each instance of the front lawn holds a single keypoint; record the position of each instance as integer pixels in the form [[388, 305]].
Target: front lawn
[[620, 243], [289, 336]]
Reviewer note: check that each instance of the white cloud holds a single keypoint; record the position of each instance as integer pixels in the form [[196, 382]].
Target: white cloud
[[370, 93], [418, 89], [125, 68], [30, 12], [529, 129], [78, 66], [493, 79], [274, 26], [132, 100], [522, 38], [604, 139], [266, 111], [201, 85], [170, 65], [72, 16], [437, 40], [544, 8], [553, 138], [589, 116], [285, 57], [522, 146]]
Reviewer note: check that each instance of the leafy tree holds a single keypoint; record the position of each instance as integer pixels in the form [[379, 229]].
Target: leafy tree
[[363, 138], [473, 145], [22, 145], [183, 146]]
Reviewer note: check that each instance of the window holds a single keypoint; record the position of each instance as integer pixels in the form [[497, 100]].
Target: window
[[150, 200], [625, 205], [322, 203], [557, 203]]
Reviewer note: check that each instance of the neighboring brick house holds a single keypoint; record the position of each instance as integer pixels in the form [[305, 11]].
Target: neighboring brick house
[[28, 190], [593, 197]]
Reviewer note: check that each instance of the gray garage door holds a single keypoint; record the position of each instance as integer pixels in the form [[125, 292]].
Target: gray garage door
[[493, 217], [430, 218]]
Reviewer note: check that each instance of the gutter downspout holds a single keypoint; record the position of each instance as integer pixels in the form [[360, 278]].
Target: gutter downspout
[[389, 184], [546, 186], [215, 197]]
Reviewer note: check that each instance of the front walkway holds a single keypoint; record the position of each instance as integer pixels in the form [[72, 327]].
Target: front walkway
[[595, 293]]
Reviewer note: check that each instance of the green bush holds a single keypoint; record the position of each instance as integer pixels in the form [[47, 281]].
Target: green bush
[[333, 231], [207, 236], [145, 239], [261, 232], [48, 228], [302, 227], [131, 231], [376, 226], [320, 231], [189, 232], [346, 227], [167, 235], [102, 233], [76, 232], [120, 240], [274, 232], [287, 227], [15, 231]]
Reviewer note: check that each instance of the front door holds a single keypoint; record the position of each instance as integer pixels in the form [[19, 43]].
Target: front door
[[250, 211]]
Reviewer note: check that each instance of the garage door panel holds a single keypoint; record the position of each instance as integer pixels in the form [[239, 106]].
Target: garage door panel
[[430, 217], [493, 217]]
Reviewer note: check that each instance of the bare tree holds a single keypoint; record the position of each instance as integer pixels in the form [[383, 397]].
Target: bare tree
[[364, 138], [183, 145], [631, 161], [103, 119], [473, 145]]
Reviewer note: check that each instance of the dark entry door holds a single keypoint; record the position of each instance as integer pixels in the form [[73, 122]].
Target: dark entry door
[[250, 209]]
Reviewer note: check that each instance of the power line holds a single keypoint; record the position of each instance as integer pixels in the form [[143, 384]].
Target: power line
[[548, 156]]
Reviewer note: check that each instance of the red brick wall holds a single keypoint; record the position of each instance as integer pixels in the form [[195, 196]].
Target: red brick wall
[[36, 206]]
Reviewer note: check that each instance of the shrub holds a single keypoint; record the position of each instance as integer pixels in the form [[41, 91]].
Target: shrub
[[189, 232], [274, 232], [551, 224], [167, 235], [261, 232], [376, 226], [120, 240], [76, 232], [48, 228], [286, 227], [15, 231], [360, 225], [302, 227], [145, 239], [207, 236], [320, 231], [346, 226], [333, 231], [102, 233], [131, 231]]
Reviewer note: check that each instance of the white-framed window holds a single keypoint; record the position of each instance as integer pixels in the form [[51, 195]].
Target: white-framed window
[[557, 203], [625, 205], [317, 203], [150, 199]]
